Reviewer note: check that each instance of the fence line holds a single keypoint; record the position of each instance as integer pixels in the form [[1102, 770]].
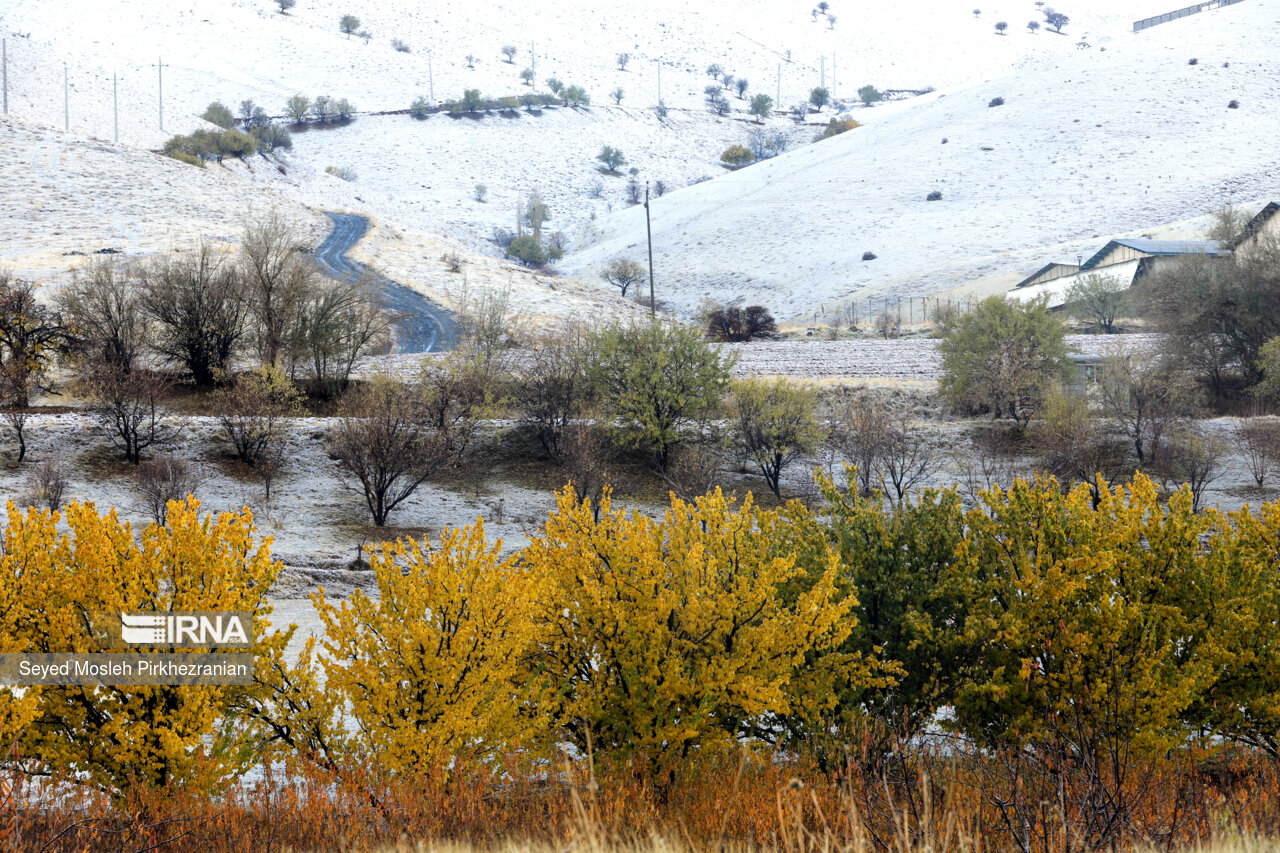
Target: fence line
[[1145, 23]]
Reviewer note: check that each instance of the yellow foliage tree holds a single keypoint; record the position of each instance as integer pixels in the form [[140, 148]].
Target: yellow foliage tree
[[53, 582], [428, 669], [1093, 637], [656, 638]]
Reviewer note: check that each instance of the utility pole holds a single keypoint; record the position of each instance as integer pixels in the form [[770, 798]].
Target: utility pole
[[833, 76], [822, 63], [66, 99], [648, 230], [533, 63], [160, 69], [778, 101], [4, 64], [431, 81], [115, 106], [659, 60]]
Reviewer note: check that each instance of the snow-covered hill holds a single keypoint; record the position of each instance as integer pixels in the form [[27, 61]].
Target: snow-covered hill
[[1085, 146]]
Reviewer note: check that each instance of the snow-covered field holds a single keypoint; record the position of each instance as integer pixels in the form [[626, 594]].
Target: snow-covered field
[[902, 359]]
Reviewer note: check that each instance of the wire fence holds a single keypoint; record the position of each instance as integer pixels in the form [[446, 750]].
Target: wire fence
[[1145, 23]]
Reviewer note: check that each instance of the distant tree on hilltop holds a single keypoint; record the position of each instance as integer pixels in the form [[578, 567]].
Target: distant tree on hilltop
[[1057, 20], [349, 24], [286, 5]]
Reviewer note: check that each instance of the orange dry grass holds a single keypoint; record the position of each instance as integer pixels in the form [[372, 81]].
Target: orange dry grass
[[941, 804]]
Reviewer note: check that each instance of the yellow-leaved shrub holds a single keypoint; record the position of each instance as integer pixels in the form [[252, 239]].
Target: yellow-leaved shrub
[[53, 583]]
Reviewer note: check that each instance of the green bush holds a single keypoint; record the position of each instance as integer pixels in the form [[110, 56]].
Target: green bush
[[527, 251], [217, 113]]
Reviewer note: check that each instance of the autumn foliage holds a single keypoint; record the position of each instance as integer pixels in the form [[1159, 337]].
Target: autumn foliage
[[1048, 669]]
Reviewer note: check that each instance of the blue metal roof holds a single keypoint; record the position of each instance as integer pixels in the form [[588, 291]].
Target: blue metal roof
[[1157, 247]]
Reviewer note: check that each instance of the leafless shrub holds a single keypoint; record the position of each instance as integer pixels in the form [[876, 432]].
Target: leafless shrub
[[162, 479], [47, 484], [695, 469], [1259, 441], [910, 456], [553, 388], [859, 436], [253, 412], [452, 261], [1192, 458], [338, 323], [583, 445], [987, 460], [387, 444], [126, 406], [887, 324], [15, 393], [104, 303]]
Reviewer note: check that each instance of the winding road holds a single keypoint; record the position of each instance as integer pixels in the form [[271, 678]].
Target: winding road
[[420, 324]]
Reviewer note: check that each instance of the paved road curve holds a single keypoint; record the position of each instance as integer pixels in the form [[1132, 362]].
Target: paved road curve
[[420, 324]]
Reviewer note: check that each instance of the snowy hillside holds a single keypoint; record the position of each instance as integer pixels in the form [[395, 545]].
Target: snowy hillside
[[236, 49], [1086, 146]]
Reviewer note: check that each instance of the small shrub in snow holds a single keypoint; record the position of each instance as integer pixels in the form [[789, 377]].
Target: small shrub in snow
[[471, 60], [617, 94], [634, 191], [1001, 26], [868, 256], [286, 5], [346, 173], [996, 102], [660, 110], [736, 155], [831, 22], [596, 190], [719, 104], [47, 484], [1233, 105], [452, 261], [527, 76], [623, 59], [1193, 61], [481, 191], [659, 188], [509, 51], [977, 12], [944, 140], [740, 86], [399, 46], [503, 236], [936, 195], [577, 96], [420, 107], [217, 113], [714, 71], [1033, 26], [800, 111], [726, 80], [348, 24], [162, 479], [820, 97], [364, 34], [555, 85]]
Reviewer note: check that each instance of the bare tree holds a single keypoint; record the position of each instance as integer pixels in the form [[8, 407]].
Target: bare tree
[[1075, 446], [553, 388], [910, 456], [1146, 396], [623, 59], [196, 304], [15, 394], [1259, 440], [987, 460], [279, 276], [126, 405], [103, 302], [334, 326], [164, 478], [389, 441], [1193, 458], [859, 436]]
